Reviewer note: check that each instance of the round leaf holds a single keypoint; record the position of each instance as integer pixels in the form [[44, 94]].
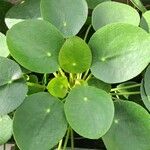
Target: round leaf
[[116, 49], [145, 21], [58, 87], [130, 128], [89, 111], [35, 44], [114, 12], [68, 16], [5, 129], [94, 3], [13, 89], [4, 52], [75, 55], [27, 9], [39, 123]]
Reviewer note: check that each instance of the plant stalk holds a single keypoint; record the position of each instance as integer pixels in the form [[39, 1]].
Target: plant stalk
[[126, 93], [66, 139]]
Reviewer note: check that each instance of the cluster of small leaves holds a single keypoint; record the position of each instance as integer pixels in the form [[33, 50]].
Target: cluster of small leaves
[[44, 40]]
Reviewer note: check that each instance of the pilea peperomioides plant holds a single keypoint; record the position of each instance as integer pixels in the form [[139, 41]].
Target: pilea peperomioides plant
[[56, 81]]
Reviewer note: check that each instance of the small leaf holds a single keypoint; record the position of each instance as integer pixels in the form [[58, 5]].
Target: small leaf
[[93, 3], [27, 9], [75, 55], [6, 125], [116, 49], [99, 84], [58, 87], [4, 52], [113, 12], [68, 16], [139, 5], [130, 128], [145, 21], [35, 44], [89, 111], [39, 123]]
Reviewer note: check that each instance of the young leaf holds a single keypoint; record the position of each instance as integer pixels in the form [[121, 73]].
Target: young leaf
[[111, 12], [6, 126], [93, 3], [116, 49], [139, 5], [68, 16], [35, 44], [58, 87], [130, 128], [145, 21], [4, 52], [27, 9], [13, 89], [75, 55], [39, 123], [89, 111]]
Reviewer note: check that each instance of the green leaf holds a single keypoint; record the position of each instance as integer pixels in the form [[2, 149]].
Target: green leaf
[[13, 88], [116, 50], [99, 84], [4, 52], [75, 55], [139, 5], [58, 87], [35, 44], [89, 111], [5, 129], [27, 9], [145, 97], [93, 3], [130, 128], [68, 16], [145, 21], [39, 123], [114, 12]]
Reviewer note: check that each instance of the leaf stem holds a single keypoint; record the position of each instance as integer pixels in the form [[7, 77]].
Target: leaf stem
[[72, 139], [86, 73], [126, 87], [90, 75], [36, 85], [55, 74], [66, 139], [126, 93], [60, 145], [61, 72], [87, 32]]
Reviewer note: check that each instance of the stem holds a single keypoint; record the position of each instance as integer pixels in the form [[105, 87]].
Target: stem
[[45, 79], [126, 93], [126, 87], [61, 72], [66, 139], [36, 85], [59, 145], [86, 73], [55, 74], [71, 78], [4, 146], [87, 32], [72, 139], [90, 75]]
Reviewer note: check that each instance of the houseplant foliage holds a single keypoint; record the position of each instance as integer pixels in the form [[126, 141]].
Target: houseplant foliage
[[54, 82]]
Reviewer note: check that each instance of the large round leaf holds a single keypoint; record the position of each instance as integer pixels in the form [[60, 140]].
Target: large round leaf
[[130, 128], [145, 96], [28, 9], [4, 52], [39, 123], [145, 21], [94, 3], [111, 12], [35, 44], [6, 125], [116, 50], [58, 87], [75, 55], [68, 16], [13, 89], [89, 111]]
